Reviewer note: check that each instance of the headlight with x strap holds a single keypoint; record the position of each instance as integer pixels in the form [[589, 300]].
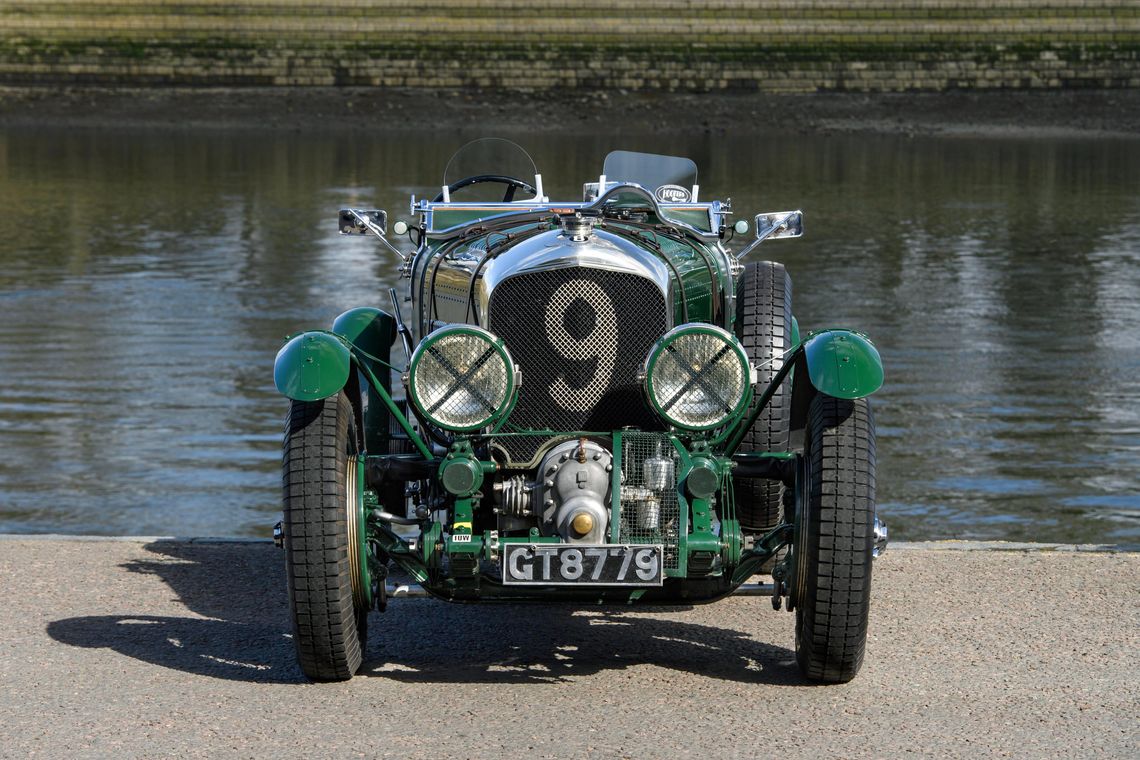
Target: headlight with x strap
[[461, 378], [697, 377]]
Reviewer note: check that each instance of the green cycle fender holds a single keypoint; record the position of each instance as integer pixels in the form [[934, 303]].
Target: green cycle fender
[[312, 366], [843, 364], [372, 331], [368, 328]]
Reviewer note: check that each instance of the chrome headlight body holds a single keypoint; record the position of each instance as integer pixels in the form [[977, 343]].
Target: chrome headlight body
[[697, 377], [461, 378]]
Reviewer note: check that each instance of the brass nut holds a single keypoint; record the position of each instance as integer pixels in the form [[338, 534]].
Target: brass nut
[[582, 523]]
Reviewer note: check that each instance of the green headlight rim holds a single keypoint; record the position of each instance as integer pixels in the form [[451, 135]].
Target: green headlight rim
[[689, 329], [492, 340]]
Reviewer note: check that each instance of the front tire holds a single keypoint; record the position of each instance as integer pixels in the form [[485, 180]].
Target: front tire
[[764, 326], [322, 538], [834, 539]]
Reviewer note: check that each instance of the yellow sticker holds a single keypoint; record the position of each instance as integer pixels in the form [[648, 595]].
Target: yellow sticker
[[459, 525]]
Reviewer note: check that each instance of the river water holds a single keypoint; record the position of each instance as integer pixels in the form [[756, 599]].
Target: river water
[[147, 280]]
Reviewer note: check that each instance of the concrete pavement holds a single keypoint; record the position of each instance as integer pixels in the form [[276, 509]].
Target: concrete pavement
[[145, 648]]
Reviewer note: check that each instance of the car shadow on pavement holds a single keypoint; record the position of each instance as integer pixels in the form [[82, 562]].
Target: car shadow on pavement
[[240, 630], [498, 643]]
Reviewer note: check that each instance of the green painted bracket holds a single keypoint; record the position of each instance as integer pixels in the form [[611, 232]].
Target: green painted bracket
[[312, 366], [462, 539], [843, 364]]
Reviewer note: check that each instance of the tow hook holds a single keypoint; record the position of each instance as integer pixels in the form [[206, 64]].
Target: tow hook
[[279, 535], [881, 534]]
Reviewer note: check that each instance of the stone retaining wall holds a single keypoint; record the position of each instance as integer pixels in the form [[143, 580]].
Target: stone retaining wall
[[768, 45]]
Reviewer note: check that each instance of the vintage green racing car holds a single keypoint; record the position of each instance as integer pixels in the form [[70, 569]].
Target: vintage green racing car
[[601, 403]]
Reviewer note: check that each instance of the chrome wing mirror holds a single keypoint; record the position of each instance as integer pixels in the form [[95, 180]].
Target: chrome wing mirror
[[354, 221], [358, 222], [773, 226]]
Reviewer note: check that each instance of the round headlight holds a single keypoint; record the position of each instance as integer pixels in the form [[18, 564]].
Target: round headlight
[[697, 377], [461, 378]]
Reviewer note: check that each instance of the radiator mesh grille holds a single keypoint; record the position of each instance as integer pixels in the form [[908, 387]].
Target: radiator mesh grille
[[580, 336], [642, 494]]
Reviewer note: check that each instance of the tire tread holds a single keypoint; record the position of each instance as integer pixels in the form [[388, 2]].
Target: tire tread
[[764, 326], [328, 632], [831, 623]]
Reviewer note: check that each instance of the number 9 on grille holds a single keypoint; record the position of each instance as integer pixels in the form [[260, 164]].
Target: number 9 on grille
[[697, 377], [461, 378]]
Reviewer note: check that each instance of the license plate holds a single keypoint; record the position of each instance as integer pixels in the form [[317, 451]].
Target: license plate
[[573, 565]]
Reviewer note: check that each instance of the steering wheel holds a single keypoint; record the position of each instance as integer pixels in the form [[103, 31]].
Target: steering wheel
[[512, 183]]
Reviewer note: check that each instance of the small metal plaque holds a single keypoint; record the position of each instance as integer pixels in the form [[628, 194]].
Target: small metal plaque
[[672, 194]]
